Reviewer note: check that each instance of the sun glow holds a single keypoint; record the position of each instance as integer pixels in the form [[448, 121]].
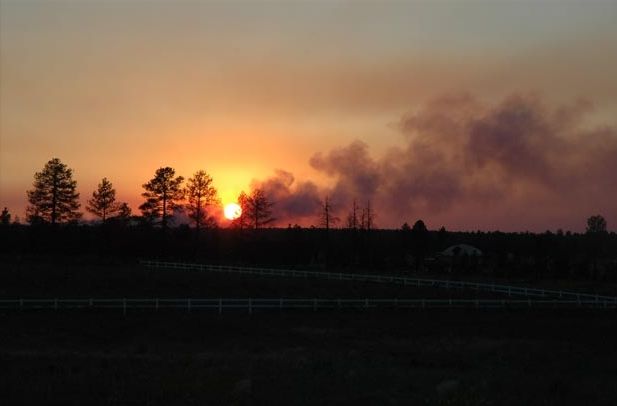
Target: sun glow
[[232, 211]]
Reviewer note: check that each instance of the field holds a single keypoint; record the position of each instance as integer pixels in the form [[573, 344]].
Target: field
[[134, 281], [404, 357], [309, 358]]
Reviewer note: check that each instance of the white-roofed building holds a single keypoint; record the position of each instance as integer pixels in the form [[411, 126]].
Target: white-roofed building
[[460, 250]]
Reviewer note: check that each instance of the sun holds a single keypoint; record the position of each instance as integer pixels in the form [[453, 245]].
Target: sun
[[232, 211]]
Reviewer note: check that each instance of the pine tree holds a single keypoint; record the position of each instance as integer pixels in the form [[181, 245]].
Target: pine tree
[[124, 212], [54, 198], [5, 217], [200, 195], [163, 194], [103, 203]]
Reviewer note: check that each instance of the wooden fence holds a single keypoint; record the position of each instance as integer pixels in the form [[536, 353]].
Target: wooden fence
[[250, 305], [400, 280]]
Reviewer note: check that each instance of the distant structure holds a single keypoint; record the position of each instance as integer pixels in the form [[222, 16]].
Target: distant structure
[[460, 258], [460, 250]]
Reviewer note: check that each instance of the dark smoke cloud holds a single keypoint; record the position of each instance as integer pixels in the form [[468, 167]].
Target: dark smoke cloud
[[295, 202], [471, 165]]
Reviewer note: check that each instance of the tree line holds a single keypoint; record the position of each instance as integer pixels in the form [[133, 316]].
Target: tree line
[[54, 199]]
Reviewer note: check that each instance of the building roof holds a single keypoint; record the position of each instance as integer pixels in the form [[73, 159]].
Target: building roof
[[461, 249]]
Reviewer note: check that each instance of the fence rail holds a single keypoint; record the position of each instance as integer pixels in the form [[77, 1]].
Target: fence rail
[[250, 305], [401, 280]]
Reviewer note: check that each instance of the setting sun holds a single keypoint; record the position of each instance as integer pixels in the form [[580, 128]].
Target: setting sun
[[232, 211]]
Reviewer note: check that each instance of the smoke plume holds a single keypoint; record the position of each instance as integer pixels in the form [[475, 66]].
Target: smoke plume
[[517, 164]]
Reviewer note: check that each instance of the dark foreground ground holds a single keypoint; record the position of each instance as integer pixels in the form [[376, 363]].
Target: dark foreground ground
[[306, 358]]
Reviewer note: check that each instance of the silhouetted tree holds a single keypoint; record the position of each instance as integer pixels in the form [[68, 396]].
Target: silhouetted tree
[[200, 194], [442, 238], [596, 233], [163, 192], [327, 218], [124, 211], [103, 202], [352, 217], [5, 217], [368, 217], [124, 214], [54, 198], [420, 238], [259, 209], [596, 224], [242, 221]]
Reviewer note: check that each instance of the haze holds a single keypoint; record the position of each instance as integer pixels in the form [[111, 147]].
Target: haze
[[467, 114]]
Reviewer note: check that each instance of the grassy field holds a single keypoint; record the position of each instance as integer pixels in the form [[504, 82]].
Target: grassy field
[[293, 358], [323, 358], [133, 281]]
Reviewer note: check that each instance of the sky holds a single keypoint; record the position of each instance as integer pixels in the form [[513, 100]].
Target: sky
[[467, 114]]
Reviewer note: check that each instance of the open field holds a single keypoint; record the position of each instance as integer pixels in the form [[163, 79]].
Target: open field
[[439, 357], [38, 280], [301, 357]]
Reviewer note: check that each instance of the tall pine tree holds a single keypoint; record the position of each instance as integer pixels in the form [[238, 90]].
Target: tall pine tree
[[200, 194], [163, 194], [53, 198]]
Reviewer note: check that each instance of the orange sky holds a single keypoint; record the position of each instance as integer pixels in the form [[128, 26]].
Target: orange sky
[[240, 89]]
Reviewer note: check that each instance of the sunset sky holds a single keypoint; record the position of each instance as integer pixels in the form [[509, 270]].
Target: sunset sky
[[467, 114]]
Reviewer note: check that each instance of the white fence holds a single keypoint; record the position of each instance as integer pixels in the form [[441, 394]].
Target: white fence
[[401, 280], [249, 305]]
